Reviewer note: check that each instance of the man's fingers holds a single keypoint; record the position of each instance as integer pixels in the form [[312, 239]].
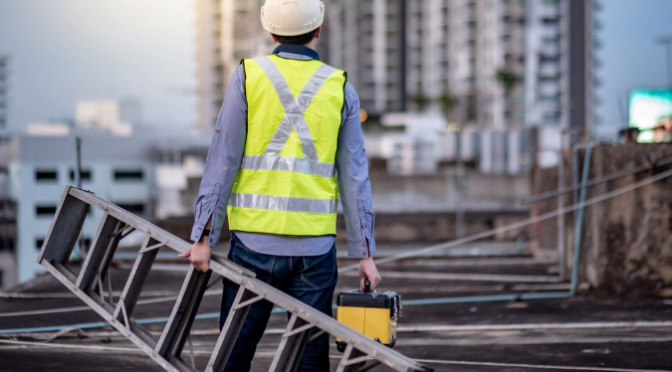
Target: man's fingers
[[185, 254]]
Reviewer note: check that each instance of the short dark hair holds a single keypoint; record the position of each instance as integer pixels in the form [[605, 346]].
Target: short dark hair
[[299, 39]]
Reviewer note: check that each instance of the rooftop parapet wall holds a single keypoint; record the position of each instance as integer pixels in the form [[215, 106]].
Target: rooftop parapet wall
[[627, 241]]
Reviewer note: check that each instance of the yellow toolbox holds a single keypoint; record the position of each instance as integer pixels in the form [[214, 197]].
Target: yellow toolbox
[[371, 313]]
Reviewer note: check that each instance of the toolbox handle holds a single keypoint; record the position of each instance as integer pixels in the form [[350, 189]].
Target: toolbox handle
[[367, 286]]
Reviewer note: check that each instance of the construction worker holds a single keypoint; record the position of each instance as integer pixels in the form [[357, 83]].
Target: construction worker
[[287, 145]]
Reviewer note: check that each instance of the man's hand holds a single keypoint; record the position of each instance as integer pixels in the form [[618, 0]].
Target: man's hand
[[199, 255], [367, 270]]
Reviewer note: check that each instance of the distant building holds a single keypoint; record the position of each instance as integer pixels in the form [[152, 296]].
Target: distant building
[[416, 53], [560, 66], [416, 143], [115, 116], [178, 170], [118, 169], [226, 32], [8, 269], [4, 90], [499, 66]]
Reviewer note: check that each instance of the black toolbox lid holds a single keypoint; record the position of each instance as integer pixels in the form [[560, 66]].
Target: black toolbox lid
[[355, 298]]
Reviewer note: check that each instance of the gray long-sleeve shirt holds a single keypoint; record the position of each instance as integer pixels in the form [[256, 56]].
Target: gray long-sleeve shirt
[[226, 154]]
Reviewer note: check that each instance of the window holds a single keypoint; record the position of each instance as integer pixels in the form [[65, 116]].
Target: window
[[86, 175], [45, 210], [137, 208], [6, 244], [39, 242], [549, 79], [46, 175], [128, 175], [549, 98], [551, 41], [552, 116], [549, 21]]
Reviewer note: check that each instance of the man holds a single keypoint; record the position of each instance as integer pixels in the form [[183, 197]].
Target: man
[[287, 144]]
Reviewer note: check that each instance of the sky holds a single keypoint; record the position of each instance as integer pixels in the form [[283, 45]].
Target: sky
[[67, 50], [63, 51], [629, 56]]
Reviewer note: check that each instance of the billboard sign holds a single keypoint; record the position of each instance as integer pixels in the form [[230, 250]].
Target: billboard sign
[[650, 109]]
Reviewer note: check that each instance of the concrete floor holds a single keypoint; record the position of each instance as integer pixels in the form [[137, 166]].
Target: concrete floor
[[535, 349]]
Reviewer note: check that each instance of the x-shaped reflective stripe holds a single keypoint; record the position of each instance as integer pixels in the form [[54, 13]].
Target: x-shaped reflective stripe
[[294, 108]]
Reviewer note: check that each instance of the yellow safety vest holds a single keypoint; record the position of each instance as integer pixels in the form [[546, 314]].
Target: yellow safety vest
[[286, 184]]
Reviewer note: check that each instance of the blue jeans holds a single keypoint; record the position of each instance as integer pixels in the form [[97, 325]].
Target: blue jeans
[[311, 280]]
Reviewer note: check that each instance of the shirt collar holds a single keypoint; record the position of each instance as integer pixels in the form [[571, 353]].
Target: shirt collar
[[297, 49]]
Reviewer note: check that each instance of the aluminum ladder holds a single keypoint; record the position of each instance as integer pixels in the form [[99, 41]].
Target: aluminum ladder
[[361, 353]]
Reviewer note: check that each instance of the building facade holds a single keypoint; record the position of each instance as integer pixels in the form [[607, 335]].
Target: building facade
[[492, 64], [4, 91], [464, 56], [227, 31], [560, 66], [118, 169]]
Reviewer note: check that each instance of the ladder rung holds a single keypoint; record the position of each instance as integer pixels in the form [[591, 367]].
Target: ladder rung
[[230, 330], [291, 347], [101, 253], [136, 279], [177, 329], [64, 230]]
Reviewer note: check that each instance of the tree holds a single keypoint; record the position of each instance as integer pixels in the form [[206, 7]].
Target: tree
[[507, 78], [420, 100], [447, 102]]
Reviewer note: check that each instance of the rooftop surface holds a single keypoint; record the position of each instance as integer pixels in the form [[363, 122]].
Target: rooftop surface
[[581, 333]]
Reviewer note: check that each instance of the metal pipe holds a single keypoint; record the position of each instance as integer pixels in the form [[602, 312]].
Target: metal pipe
[[562, 245], [578, 227], [576, 176]]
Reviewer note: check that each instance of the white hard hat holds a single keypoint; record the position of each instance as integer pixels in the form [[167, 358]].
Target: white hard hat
[[292, 17]]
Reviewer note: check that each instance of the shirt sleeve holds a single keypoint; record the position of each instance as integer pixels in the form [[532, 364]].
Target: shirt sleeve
[[223, 162], [353, 180]]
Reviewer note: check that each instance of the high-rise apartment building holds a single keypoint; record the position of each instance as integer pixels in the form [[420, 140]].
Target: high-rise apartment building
[[4, 88], [497, 64], [366, 39], [227, 31], [560, 64], [425, 53]]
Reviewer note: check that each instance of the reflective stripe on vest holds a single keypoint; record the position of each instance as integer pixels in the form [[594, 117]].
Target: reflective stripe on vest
[[283, 203], [252, 205]]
